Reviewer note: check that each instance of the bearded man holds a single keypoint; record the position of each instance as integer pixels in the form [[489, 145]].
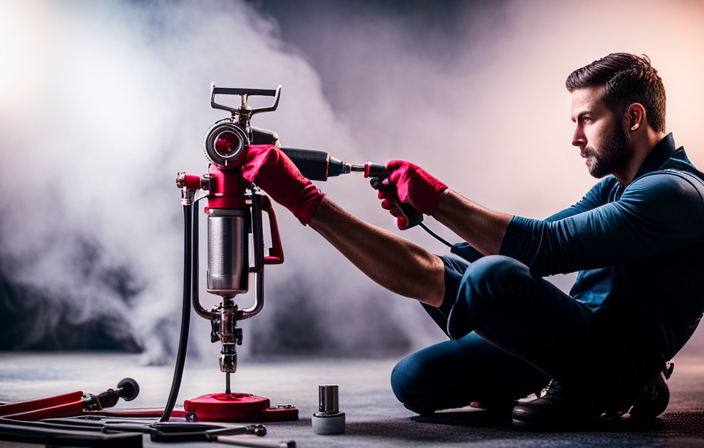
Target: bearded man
[[636, 239]]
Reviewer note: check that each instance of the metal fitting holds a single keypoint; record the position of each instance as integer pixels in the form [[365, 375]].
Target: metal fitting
[[328, 419]]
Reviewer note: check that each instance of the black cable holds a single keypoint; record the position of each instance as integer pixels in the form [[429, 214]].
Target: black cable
[[185, 314], [50, 435], [435, 235]]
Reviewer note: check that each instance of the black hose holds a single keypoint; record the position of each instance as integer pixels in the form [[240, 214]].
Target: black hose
[[185, 314], [194, 253], [435, 235]]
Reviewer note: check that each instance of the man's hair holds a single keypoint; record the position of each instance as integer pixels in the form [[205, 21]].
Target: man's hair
[[626, 79]]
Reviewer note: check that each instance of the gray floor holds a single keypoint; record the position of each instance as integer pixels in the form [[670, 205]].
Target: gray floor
[[374, 417]]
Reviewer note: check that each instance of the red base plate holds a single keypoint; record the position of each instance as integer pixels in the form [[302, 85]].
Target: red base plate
[[238, 408]]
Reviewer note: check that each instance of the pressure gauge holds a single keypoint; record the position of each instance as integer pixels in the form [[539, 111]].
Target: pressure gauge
[[224, 144]]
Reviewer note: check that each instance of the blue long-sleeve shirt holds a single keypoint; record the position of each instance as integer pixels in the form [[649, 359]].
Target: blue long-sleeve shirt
[[639, 251]]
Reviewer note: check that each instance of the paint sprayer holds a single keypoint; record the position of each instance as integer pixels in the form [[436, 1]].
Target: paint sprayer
[[234, 214]]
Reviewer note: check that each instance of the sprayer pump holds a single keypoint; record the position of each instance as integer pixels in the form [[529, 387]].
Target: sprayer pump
[[234, 213]]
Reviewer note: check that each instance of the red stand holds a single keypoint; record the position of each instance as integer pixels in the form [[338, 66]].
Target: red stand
[[239, 408]]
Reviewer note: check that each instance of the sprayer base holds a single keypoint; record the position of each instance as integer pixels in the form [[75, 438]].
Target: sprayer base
[[328, 423], [239, 407]]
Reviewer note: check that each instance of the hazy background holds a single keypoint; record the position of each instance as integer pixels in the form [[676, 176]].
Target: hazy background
[[101, 103]]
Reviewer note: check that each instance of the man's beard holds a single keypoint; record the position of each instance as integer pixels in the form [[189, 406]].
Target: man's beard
[[613, 154]]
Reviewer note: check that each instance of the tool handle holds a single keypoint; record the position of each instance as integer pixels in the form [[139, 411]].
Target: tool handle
[[61, 410], [241, 91], [244, 110], [413, 216], [42, 403]]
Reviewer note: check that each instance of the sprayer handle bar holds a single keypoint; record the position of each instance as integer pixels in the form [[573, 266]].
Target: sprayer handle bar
[[244, 109], [242, 91]]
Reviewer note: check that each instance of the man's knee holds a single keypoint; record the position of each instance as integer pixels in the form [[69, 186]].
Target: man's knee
[[411, 386], [494, 278], [492, 286], [494, 270]]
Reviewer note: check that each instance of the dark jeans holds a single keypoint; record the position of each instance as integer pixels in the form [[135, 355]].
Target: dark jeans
[[510, 334]]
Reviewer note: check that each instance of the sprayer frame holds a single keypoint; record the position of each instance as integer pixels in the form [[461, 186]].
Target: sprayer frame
[[227, 313]]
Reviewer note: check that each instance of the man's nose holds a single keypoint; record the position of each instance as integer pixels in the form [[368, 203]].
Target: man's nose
[[578, 139]]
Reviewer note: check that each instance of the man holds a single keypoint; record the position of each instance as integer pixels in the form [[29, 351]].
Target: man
[[636, 238]]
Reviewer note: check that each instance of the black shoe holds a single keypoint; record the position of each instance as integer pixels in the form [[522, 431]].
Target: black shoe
[[560, 408], [652, 401]]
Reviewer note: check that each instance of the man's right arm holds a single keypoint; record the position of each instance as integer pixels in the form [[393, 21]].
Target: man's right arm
[[395, 263]]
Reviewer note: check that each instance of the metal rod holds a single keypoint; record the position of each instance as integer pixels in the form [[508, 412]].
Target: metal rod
[[227, 383], [257, 443]]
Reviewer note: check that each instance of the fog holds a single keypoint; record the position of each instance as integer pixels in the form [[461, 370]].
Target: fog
[[101, 103]]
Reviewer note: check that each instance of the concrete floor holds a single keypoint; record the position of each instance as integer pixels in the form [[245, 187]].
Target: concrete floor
[[374, 417]]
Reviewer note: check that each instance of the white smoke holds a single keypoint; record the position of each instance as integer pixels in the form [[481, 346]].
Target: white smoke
[[107, 102], [101, 103]]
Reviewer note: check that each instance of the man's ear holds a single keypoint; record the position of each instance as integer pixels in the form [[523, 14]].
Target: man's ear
[[635, 117]]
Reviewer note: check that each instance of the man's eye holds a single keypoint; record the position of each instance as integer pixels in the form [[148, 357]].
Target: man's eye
[[586, 119]]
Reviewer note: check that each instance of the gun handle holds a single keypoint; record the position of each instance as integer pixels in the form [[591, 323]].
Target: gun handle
[[413, 216]]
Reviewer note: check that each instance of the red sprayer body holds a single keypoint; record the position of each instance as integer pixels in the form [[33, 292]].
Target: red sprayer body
[[234, 214]]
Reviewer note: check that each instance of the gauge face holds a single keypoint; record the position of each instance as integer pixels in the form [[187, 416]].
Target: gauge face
[[225, 143]]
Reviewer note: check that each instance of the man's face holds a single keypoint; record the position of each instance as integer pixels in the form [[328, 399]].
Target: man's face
[[600, 135]]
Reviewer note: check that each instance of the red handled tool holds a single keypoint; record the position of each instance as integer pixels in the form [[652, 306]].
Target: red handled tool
[[73, 403]]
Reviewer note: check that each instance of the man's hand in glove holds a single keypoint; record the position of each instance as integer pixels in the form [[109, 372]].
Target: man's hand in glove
[[413, 186], [270, 169]]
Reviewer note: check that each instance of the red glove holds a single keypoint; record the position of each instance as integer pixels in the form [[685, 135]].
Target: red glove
[[388, 202], [414, 186], [275, 173]]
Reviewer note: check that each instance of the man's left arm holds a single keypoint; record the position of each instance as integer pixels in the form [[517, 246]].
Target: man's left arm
[[482, 228], [656, 213]]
